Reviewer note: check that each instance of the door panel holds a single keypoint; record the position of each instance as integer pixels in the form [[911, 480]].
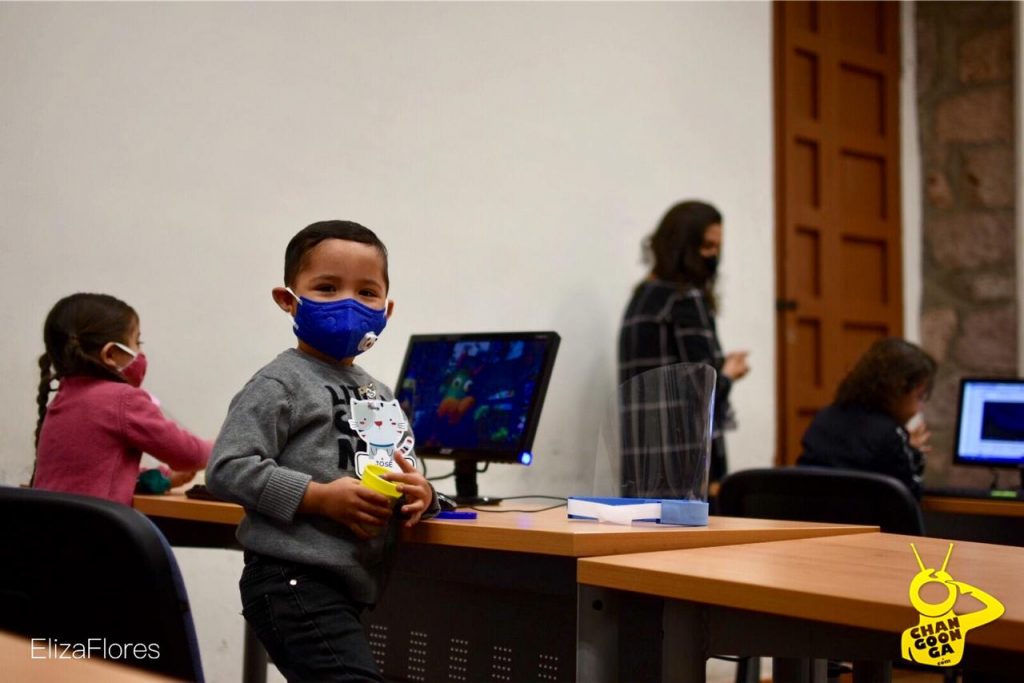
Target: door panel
[[838, 222]]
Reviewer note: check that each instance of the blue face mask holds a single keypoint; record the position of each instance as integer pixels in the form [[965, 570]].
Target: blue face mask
[[340, 329]]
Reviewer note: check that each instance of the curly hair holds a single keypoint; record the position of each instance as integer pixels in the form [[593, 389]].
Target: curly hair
[[890, 369]]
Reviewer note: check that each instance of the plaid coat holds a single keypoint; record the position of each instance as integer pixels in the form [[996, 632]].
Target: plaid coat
[[665, 324]]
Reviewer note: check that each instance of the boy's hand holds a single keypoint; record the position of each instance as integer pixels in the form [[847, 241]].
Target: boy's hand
[[414, 487], [347, 502]]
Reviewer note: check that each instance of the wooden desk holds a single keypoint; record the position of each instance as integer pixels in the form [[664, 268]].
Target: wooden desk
[[17, 664], [993, 507], [191, 522], [839, 597], [496, 597], [500, 590], [549, 532], [177, 506], [985, 520]]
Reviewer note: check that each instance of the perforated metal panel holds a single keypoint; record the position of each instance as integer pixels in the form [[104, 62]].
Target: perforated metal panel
[[547, 668], [377, 634], [458, 660], [501, 663], [417, 666], [479, 615]]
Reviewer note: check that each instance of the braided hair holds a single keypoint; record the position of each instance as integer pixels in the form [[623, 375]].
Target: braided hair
[[76, 329]]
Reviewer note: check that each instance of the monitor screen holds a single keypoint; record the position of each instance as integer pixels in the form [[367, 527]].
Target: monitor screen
[[990, 423], [476, 397]]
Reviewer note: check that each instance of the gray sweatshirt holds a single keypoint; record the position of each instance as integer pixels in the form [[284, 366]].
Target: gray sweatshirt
[[289, 425]]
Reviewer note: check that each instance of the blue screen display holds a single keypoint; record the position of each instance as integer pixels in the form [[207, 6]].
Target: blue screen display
[[476, 394], [990, 429]]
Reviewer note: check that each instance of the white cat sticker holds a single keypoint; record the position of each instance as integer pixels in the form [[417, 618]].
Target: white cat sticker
[[380, 424]]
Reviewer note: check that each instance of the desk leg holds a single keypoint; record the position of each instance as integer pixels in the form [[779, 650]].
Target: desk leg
[[684, 651], [748, 670], [800, 670], [870, 671], [597, 635], [254, 658]]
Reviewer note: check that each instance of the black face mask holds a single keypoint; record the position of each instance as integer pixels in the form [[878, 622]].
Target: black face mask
[[711, 265]]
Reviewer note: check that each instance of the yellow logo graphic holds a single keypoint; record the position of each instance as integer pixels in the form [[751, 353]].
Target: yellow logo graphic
[[938, 639]]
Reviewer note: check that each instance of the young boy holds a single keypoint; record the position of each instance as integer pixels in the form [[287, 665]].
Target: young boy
[[317, 541]]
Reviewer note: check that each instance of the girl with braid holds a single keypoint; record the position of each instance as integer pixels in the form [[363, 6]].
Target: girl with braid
[[91, 436]]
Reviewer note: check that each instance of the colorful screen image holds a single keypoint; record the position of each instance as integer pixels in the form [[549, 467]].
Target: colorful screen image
[[478, 395]]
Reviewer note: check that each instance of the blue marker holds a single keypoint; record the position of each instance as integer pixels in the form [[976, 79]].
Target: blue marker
[[455, 514]]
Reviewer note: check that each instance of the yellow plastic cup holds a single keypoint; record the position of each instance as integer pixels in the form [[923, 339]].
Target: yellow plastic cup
[[372, 480]]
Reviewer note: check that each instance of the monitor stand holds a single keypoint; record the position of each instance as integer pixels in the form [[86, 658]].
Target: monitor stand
[[466, 492]]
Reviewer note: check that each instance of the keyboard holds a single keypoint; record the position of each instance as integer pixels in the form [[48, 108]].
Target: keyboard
[[965, 492]]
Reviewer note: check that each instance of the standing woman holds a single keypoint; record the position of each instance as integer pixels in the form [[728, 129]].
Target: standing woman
[[671, 316]]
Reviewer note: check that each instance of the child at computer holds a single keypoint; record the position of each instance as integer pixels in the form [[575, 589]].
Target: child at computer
[[317, 541], [865, 428], [90, 438]]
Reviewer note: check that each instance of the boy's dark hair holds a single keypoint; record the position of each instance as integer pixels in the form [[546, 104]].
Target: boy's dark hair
[[76, 329], [314, 234], [890, 369], [675, 246]]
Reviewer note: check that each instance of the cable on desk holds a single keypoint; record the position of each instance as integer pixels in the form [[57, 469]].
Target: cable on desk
[[450, 474], [443, 476], [563, 503]]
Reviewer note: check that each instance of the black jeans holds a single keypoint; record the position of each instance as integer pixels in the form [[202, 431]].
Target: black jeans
[[306, 621]]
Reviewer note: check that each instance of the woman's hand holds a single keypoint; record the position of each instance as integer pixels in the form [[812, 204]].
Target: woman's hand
[[735, 365], [920, 435], [414, 487]]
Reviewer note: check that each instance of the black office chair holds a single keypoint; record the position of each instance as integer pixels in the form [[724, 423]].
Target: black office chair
[[818, 494], [822, 494], [76, 569]]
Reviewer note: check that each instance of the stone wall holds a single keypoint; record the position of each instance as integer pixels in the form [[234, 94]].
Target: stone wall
[[965, 94]]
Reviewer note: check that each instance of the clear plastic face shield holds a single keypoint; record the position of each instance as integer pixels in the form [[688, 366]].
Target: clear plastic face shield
[[657, 444]]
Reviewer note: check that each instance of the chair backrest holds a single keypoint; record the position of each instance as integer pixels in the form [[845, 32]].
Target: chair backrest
[[81, 570], [821, 494]]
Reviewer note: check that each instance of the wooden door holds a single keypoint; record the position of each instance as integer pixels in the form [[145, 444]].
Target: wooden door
[[838, 251]]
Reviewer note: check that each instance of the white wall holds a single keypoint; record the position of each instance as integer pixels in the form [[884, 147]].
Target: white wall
[[910, 177], [512, 156]]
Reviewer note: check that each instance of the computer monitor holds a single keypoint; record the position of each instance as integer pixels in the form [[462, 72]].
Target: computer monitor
[[990, 423], [476, 398]]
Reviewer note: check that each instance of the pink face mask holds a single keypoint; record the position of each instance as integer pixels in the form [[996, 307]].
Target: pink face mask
[[135, 371]]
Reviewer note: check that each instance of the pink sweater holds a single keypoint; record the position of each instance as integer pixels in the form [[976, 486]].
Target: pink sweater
[[95, 432]]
